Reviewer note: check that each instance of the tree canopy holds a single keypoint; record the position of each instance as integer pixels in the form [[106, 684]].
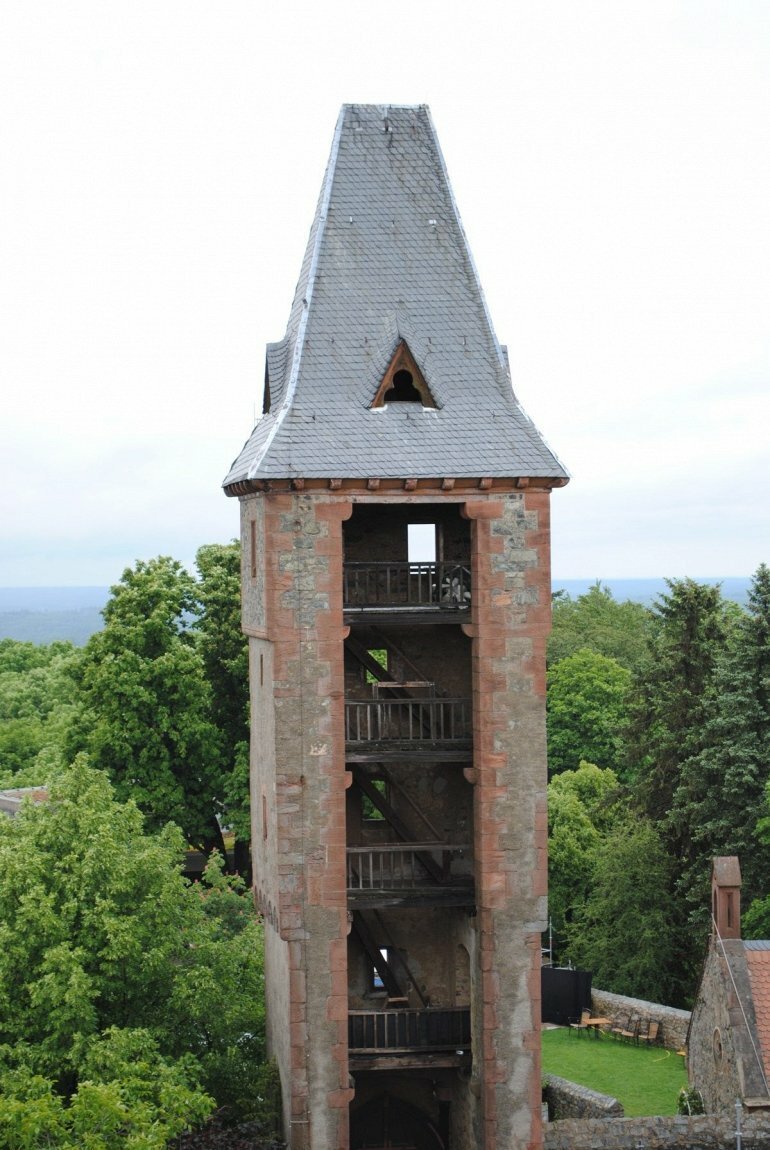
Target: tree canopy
[[694, 761], [587, 711], [164, 695], [38, 696], [598, 622], [127, 996]]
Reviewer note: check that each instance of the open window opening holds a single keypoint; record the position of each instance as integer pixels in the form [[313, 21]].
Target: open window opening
[[371, 813], [421, 542], [376, 982], [378, 655], [402, 389]]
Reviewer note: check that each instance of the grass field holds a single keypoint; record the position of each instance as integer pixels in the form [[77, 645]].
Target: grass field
[[646, 1080]]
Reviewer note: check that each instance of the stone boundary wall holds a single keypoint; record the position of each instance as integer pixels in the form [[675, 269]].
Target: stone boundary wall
[[674, 1023], [704, 1132], [568, 1100]]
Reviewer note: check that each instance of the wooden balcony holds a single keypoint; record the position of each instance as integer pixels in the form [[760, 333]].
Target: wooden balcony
[[391, 1039], [407, 592], [378, 729], [408, 874]]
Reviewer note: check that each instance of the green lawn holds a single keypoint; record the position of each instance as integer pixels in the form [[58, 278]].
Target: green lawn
[[646, 1080]]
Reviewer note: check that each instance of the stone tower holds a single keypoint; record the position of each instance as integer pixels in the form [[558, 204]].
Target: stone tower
[[396, 595]]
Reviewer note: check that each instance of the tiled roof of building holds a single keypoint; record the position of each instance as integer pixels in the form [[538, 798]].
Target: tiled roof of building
[[758, 960], [388, 261]]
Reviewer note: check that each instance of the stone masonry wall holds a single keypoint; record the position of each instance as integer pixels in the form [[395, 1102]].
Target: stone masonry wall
[[674, 1023], [511, 620], [722, 1060], [304, 799], [568, 1100], [705, 1132]]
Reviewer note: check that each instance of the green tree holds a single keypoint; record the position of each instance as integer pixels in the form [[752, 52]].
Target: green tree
[[723, 794], [598, 622], [109, 958], [623, 930], [582, 807], [147, 704], [587, 711], [224, 650], [672, 696], [38, 697], [128, 1095]]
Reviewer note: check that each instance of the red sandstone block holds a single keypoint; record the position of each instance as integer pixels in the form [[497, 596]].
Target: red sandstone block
[[314, 888], [482, 510], [540, 877], [491, 992], [338, 958], [337, 1099], [298, 1077], [489, 646], [490, 1112], [298, 1033], [339, 983], [277, 501], [334, 900], [337, 1008], [328, 624], [489, 1016]]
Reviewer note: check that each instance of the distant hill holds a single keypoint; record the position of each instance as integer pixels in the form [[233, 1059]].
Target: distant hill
[[647, 590], [43, 614]]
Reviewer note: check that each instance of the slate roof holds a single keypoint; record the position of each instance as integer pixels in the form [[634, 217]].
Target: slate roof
[[387, 261]]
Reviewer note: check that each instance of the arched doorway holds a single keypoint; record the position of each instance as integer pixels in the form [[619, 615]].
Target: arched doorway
[[387, 1123]]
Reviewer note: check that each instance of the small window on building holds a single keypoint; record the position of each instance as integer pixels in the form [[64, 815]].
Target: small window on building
[[253, 548], [403, 382]]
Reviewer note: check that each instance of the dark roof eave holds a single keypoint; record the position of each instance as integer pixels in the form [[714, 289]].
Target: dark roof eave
[[442, 485]]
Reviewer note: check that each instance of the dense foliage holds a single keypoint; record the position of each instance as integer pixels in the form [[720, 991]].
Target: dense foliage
[[163, 702], [587, 701], [131, 1002], [38, 697], [676, 700]]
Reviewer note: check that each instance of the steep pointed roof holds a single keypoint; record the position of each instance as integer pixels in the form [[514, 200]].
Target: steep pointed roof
[[388, 263]]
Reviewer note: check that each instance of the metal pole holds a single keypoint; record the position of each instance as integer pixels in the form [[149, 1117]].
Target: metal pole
[[738, 1125]]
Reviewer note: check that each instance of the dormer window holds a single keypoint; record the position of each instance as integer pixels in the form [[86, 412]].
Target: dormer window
[[403, 382]]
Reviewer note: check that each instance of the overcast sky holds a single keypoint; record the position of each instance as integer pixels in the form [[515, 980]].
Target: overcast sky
[[161, 161]]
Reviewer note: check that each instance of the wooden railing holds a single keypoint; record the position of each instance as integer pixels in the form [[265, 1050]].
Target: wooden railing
[[372, 1032], [440, 586], [408, 720], [396, 866]]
